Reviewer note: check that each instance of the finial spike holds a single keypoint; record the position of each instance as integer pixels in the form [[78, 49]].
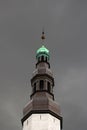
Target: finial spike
[[43, 36]]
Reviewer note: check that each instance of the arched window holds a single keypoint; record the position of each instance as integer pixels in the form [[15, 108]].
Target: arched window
[[42, 58], [46, 59], [38, 59], [41, 84], [48, 87], [34, 89]]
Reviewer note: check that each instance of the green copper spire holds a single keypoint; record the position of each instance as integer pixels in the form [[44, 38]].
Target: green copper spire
[[43, 51]]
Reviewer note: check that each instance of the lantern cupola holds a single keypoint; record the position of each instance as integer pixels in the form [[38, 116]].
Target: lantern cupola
[[42, 54]]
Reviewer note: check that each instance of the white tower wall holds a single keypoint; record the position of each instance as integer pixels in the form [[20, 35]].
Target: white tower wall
[[41, 122]]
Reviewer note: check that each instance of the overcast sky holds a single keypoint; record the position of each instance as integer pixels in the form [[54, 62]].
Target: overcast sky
[[65, 24]]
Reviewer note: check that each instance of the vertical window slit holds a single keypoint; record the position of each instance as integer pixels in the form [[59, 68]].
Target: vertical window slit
[[41, 84]]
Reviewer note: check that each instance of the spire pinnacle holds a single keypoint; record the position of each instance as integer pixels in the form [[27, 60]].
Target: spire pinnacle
[[43, 36]]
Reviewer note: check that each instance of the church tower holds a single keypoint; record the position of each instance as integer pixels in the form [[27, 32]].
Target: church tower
[[42, 112]]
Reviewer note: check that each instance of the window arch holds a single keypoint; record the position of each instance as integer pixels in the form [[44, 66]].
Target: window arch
[[46, 59], [42, 58], [41, 84], [48, 87], [34, 89], [38, 59]]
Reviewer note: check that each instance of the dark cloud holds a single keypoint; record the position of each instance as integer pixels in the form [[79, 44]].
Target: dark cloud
[[65, 24]]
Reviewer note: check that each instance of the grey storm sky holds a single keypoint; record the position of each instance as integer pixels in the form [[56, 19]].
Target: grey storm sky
[[65, 24]]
